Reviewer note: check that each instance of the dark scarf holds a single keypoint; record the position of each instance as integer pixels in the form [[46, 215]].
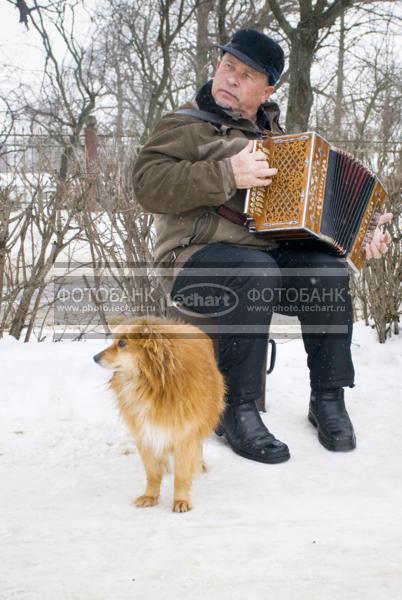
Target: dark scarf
[[206, 102]]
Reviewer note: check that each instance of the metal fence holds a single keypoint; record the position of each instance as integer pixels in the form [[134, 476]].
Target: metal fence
[[26, 155]]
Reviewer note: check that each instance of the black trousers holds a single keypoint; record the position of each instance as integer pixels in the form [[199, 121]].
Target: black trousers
[[242, 287]]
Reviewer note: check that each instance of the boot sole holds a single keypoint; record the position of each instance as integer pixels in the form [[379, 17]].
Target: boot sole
[[329, 445], [270, 461]]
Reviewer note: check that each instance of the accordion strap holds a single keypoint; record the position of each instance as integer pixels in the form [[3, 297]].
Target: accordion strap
[[232, 215], [204, 115]]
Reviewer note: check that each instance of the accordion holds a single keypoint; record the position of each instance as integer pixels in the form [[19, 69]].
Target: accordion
[[319, 192]]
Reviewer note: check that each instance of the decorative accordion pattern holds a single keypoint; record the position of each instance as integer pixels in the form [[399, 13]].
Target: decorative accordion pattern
[[319, 192]]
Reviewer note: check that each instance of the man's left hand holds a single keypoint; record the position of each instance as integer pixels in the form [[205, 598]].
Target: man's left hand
[[380, 241]]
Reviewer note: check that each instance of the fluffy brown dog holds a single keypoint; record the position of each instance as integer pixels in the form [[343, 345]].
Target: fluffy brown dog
[[170, 394]]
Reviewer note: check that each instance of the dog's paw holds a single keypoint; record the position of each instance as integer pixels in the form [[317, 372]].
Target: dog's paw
[[144, 501], [181, 506]]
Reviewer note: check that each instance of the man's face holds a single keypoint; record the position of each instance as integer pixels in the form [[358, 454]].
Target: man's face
[[237, 86]]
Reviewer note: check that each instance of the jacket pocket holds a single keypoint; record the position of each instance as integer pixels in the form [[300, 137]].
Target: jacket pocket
[[204, 228]]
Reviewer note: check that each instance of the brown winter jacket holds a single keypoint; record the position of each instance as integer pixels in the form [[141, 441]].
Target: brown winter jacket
[[182, 174]]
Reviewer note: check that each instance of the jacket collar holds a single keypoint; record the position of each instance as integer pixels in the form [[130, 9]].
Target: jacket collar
[[267, 114]]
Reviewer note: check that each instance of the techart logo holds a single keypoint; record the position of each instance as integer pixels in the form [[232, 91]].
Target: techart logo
[[207, 300]]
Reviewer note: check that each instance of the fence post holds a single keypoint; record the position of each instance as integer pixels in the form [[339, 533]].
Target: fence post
[[91, 160]]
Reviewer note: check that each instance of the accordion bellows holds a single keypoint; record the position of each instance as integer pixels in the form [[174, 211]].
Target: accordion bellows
[[319, 192]]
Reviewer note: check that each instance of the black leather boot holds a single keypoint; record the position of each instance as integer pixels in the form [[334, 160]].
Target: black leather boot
[[247, 435], [327, 412]]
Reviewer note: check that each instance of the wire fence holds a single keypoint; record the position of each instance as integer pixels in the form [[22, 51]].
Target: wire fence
[[25, 155]]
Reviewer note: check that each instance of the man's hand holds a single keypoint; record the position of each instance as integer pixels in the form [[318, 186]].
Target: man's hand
[[380, 241], [251, 168]]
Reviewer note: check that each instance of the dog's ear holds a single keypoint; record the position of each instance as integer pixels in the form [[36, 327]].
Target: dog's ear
[[150, 337], [155, 338], [158, 354]]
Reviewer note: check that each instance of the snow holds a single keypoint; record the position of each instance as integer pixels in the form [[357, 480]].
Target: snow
[[323, 525]]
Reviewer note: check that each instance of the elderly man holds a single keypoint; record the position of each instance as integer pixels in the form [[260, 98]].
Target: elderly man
[[192, 174]]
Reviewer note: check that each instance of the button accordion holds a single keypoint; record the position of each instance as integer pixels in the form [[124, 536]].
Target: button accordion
[[319, 192]]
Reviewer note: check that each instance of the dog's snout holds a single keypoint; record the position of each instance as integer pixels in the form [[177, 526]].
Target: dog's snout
[[97, 357]]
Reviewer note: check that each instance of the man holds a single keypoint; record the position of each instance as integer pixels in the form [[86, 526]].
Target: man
[[192, 174]]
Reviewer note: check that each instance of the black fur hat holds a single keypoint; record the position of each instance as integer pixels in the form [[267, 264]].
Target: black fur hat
[[258, 51]]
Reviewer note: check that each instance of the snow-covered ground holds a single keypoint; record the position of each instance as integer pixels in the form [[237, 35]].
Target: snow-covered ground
[[320, 526]]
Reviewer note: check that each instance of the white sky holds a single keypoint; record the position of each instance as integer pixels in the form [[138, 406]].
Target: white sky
[[20, 48]]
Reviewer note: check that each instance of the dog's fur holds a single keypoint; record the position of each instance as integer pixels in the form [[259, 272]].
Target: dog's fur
[[170, 394]]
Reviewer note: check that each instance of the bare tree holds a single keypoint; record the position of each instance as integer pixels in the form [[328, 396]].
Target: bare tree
[[33, 236], [149, 56], [303, 42], [305, 39], [69, 89], [204, 10], [380, 285], [147, 41]]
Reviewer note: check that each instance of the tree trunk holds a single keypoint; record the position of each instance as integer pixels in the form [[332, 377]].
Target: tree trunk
[[203, 42], [302, 48], [340, 79], [223, 36], [304, 42]]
